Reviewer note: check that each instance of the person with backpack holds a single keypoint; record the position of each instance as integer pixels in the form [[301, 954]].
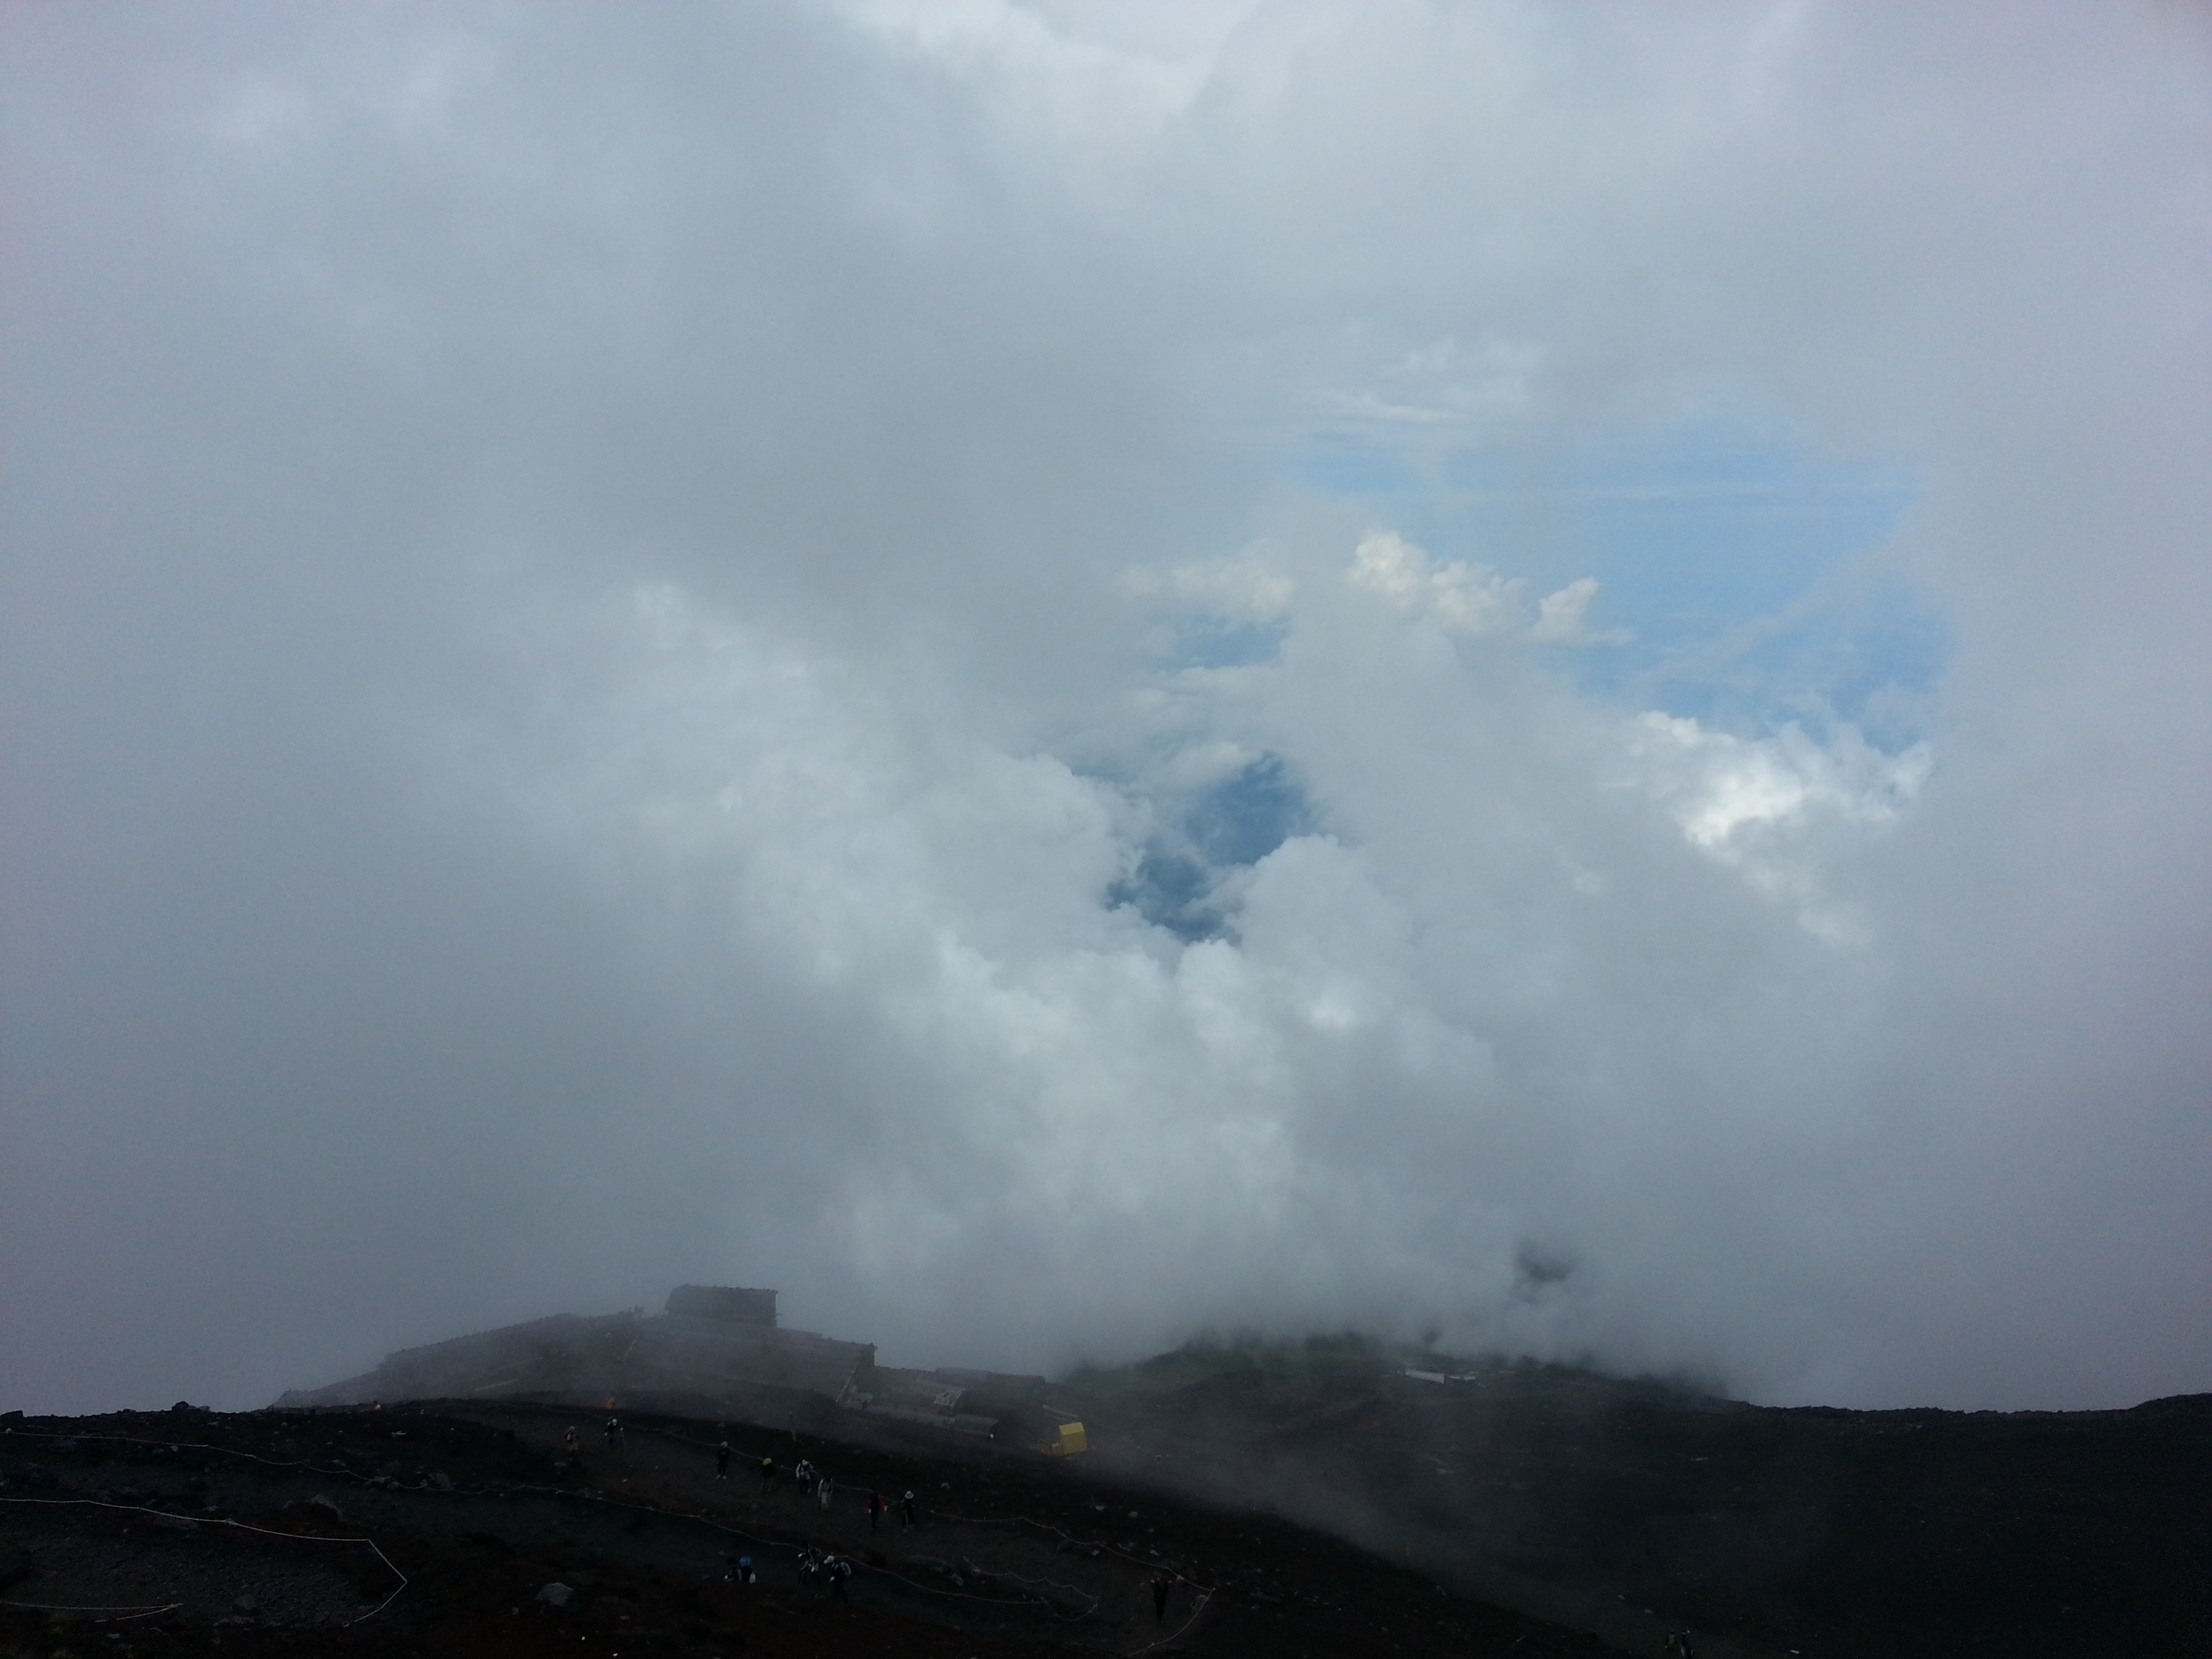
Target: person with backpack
[[722, 1462]]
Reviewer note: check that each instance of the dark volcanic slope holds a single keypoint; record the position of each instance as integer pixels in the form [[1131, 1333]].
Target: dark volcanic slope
[[289, 1533], [1584, 1504], [1909, 1535]]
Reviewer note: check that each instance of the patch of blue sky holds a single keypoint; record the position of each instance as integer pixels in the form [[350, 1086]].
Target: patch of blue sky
[[1866, 653], [1172, 890], [1351, 465], [1701, 536], [1224, 642], [1745, 572], [1230, 824], [1245, 816]]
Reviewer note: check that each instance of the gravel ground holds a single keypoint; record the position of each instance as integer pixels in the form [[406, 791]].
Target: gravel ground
[[1604, 1513], [1011, 1554], [85, 1555]]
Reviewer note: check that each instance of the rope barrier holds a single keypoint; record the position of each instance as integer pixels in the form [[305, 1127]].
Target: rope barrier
[[128, 1613], [1093, 1544], [1176, 1635], [240, 1526], [189, 1445]]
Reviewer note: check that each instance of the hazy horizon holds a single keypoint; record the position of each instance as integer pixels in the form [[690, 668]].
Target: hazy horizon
[[1059, 674]]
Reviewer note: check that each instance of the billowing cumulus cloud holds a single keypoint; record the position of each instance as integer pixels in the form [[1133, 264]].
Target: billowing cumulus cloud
[[1061, 675]]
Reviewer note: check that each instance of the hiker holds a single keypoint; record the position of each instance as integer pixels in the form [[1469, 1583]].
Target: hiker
[[572, 1445], [823, 1487], [1162, 1583], [875, 1509], [1679, 1646], [839, 1570], [906, 1511], [810, 1564], [805, 1475], [747, 1574], [722, 1462], [612, 1431], [768, 1474]]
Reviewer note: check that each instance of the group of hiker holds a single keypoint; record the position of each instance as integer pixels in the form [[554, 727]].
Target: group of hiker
[[572, 1442], [817, 1483], [817, 1565], [820, 1566]]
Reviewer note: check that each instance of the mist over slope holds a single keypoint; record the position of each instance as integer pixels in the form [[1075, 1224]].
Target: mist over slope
[[1059, 677]]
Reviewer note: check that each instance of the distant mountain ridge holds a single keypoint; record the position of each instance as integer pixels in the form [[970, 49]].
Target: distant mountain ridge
[[714, 1351]]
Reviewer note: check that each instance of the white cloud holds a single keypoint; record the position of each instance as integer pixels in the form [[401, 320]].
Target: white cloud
[[1561, 616], [587, 592], [1771, 807], [1459, 598], [1246, 588]]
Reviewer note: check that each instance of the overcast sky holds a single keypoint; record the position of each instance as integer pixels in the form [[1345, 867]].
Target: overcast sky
[[1063, 674]]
